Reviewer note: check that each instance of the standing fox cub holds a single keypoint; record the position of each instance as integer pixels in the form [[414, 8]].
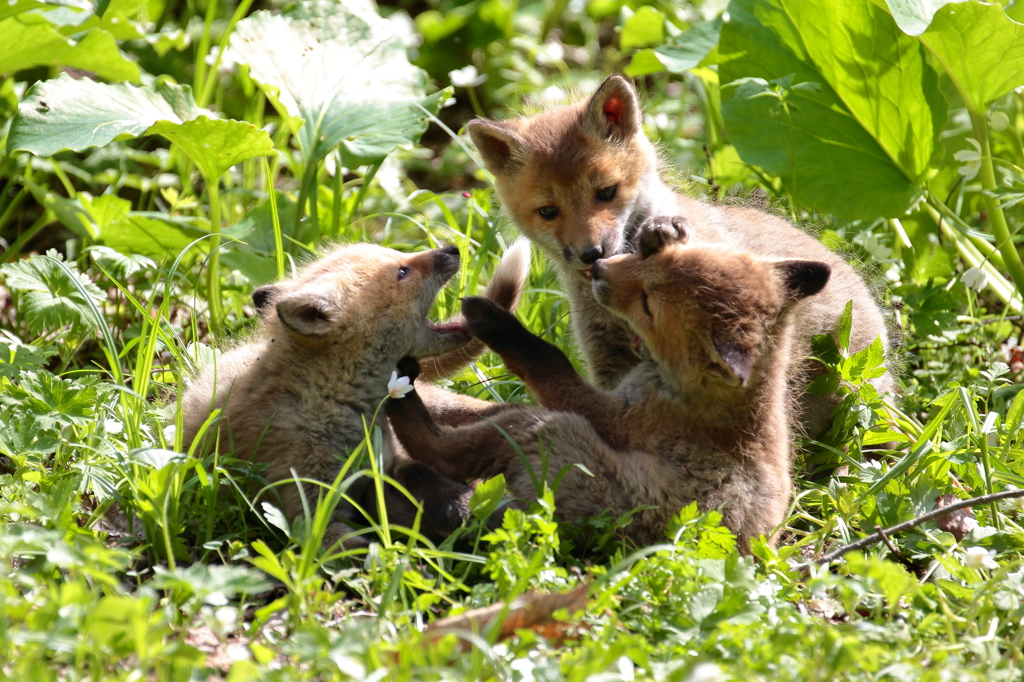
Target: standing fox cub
[[705, 418], [296, 397], [582, 182]]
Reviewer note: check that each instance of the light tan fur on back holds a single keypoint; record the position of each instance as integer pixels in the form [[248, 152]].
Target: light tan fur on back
[[297, 395], [705, 418], [582, 181]]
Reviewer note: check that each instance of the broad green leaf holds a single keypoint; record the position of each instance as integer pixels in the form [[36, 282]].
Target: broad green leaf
[[64, 113], [689, 50], [913, 16], [800, 101], [340, 68], [215, 145], [883, 82], [980, 48], [111, 222], [96, 52], [487, 496], [646, 27], [48, 299]]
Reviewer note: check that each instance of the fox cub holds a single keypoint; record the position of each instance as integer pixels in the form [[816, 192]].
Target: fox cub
[[296, 396], [581, 181], [704, 418]]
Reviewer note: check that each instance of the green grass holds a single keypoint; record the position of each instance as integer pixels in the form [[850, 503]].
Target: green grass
[[124, 556]]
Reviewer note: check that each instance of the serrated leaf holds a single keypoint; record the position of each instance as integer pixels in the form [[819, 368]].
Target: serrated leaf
[[848, 124], [980, 48], [215, 145], [275, 517], [646, 27], [16, 356], [487, 496], [54, 402], [340, 68], [97, 51], [64, 113], [914, 16], [47, 296], [155, 458], [119, 265]]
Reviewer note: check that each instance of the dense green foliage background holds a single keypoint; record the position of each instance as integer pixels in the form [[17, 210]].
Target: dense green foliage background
[[161, 159]]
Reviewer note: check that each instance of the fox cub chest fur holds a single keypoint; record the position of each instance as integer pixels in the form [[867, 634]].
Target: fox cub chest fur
[[582, 182], [297, 395], [703, 418]]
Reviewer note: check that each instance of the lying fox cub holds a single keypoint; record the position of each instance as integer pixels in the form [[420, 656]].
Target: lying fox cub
[[296, 397], [581, 180], [705, 418]]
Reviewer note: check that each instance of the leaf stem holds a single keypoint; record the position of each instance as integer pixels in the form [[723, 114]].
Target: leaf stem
[[213, 269], [995, 213]]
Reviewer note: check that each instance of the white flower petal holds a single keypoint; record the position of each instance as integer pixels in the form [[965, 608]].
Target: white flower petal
[[974, 278], [979, 557], [998, 121]]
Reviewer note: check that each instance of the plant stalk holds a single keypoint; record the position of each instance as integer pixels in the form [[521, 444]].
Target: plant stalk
[[996, 219], [213, 269]]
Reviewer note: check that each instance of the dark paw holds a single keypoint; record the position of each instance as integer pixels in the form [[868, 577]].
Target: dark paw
[[488, 321], [657, 232], [408, 367]]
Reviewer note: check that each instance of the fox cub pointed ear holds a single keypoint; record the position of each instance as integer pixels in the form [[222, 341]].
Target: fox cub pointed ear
[[613, 113], [803, 278], [306, 312], [261, 298], [500, 149]]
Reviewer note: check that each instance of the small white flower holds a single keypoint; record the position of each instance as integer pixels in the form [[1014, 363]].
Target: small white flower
[[238, 652], [706, 672], [1013, 504], [979, 557], [880, 251], [998, 121], [398, 386], [466, 77], [974, 278], [971, 160]]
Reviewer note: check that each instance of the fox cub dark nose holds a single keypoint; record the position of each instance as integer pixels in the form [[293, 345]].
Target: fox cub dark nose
[[592, 254], [597, 269], [451, 250]]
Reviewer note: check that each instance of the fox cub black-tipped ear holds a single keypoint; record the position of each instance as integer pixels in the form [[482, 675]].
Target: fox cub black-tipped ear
[[803, 278], [500, 149], [613, 113], [306, 312], [261, 298]]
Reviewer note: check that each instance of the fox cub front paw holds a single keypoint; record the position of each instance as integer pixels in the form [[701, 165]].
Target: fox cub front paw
[[488, 321], [655, 233], [408, 367]]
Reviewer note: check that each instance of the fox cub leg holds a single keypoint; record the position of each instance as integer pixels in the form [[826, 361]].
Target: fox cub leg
[[544, 367], [460, 453]]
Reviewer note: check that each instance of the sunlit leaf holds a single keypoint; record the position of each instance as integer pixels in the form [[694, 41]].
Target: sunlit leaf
[[340, 68], [97, 51], [980, 48]]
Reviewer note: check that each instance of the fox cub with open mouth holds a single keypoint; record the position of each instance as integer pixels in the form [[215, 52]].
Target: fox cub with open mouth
[[705, 418], [582, 182], [296, 397]]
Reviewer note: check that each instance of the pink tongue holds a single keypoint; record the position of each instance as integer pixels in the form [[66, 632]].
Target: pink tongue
[[589, 273], [636, 343]]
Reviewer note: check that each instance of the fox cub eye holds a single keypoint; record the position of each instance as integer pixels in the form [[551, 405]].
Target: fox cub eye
[[608, 193], [548, 212], [643, 302], [403, 272]]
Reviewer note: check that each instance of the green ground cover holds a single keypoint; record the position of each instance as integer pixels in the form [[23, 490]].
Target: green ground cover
[[159, 160]]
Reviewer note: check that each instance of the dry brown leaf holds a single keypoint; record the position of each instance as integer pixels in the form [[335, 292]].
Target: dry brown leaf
[[532, 610], [959, 522]]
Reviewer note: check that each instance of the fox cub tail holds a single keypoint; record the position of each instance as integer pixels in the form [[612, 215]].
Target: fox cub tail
[[505, 289]]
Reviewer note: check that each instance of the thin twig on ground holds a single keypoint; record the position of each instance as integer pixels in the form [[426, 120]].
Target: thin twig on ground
[[880, 535]]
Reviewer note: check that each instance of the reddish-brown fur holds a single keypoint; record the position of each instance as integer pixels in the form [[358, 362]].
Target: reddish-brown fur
[[705, 418], [565, 157]]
